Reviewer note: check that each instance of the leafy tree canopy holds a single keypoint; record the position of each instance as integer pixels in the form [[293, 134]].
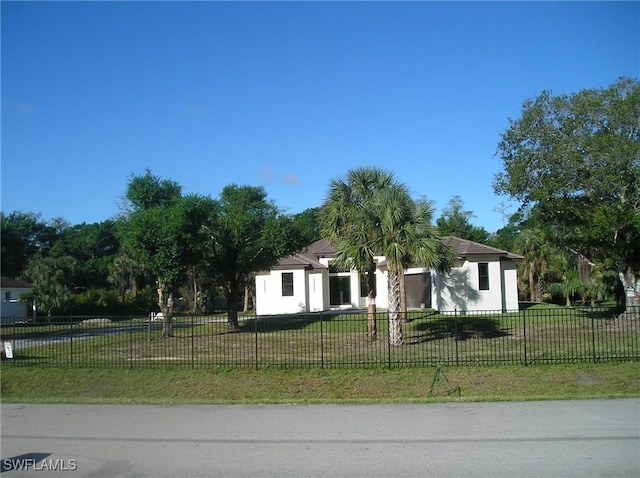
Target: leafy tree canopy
[[245, 234], [455, 221], [52, 278], [576, 158], [23, 235], [149, 191], [94, 246]]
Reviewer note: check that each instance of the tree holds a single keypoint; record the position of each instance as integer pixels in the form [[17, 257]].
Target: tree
[[163, 233], [455, 221], [577, 159], [123, 274], [349, 220], [245, 233], [149, 191], [532, 244], [94, 246], [406, 237], [307, 225], [51, 278], [23, 235]]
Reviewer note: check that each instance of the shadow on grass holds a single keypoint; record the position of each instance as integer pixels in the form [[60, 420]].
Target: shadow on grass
[[285, 322], [458, 328], [603, 313]]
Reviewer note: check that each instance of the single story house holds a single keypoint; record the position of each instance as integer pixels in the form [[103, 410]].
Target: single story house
[[12, 308], [482, 278]]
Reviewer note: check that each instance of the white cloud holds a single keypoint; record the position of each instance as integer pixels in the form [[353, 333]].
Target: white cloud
[[264, 173], [291, 179]]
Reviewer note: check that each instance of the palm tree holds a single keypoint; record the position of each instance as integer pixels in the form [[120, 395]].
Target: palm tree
[[532, 244], [349, 220], [406, 237]]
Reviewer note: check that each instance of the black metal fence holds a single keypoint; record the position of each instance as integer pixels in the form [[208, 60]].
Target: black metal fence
[[330, 339]]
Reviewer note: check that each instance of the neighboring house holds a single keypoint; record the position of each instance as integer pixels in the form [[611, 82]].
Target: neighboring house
[[483, 278], [12, 307]]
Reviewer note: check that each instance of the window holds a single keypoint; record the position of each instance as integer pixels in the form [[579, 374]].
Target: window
[[364, 288], [287, 284], [339, 290], [483, 275]]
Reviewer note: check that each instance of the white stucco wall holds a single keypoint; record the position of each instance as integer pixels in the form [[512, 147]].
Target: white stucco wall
[[510, 286], [460, 289], [11, 308], [382, 289], [457, 290], [318, 291], [269, 298]]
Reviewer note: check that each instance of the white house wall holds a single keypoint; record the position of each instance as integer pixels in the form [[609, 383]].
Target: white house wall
[[318, 291], [460, 289], [382, 296], [509, 285], [269, 298], [382, 289], [12, 308]]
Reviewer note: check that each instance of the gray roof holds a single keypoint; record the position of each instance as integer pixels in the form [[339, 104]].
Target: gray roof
[[8, 283], [464, 248], [309, 257]]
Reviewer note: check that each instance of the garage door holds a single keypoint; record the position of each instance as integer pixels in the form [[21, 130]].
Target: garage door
[[418, 289]]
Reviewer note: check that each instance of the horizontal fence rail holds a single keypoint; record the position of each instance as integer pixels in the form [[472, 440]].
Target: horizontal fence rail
[[329, 339]]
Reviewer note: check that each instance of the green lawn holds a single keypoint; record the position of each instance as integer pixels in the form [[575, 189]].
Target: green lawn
[[181, 385]]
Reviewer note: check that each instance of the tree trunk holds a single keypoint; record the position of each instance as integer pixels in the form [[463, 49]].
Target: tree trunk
[[165, 302], [532, 282], [195, 294], [372, 332], [231, 294], [249, 295], [395, 319], [631, 293]]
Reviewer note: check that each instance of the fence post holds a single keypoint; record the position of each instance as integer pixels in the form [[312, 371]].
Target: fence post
[[593, 337], [255, 329], [388, 342], [455, 334], [131, 329], [321, 340], [193, 345], [524, 334], [71, 339]]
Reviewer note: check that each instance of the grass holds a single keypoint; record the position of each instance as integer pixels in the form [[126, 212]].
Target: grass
[[549, 335], [306, 386], [137, 366]]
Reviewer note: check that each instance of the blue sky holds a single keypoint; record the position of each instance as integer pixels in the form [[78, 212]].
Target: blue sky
[[285, 95]]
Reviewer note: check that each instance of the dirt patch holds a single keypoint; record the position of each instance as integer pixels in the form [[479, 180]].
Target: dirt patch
[[586, 379]]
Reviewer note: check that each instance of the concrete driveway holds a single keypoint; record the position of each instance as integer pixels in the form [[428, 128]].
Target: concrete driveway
[[582, 439]]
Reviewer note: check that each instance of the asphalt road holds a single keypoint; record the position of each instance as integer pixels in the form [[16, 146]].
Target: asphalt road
[[595, 438]]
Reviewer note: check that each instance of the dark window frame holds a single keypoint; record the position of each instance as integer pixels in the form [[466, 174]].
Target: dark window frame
[[339, 290], [483, 276], [287, 284]]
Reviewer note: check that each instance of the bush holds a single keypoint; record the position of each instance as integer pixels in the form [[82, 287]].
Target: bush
[[107, 302]]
